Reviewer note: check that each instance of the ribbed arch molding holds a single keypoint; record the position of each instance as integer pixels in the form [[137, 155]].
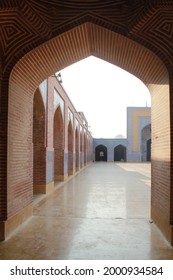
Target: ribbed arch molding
[[81, 42], [54, 55]]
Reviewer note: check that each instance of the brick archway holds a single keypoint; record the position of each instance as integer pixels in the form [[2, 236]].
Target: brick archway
[[58, 145], [77, 149], [85, 149], [101, 153], [73, 45], [70, 148], [39, 161], [145, 145], [120, 153], [81, 149]]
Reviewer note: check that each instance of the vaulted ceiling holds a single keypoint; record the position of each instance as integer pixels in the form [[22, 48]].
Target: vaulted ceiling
[[26, 24]]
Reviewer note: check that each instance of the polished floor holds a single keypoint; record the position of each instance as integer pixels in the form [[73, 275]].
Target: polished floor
[[101, 213]]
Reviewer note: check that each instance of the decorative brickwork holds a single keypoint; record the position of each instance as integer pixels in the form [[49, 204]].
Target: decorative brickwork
[[58, 145], [85, 149], [77, 148], [36, 42], [70, 148], [39, 151]]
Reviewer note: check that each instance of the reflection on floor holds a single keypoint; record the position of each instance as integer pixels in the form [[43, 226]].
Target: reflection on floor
[[102, 213]]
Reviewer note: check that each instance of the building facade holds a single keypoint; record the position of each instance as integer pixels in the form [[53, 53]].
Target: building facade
[[36, 42], [137, 145], [62, 143]]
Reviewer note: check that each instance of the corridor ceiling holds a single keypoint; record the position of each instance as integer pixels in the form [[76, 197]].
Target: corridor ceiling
[[26, 24]]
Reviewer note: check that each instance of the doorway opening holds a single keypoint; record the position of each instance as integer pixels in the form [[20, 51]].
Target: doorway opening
[[120, 153], [39, 162], [101, 153], [146, 143], [58, 145]]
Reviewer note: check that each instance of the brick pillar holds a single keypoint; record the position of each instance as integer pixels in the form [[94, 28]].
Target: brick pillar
[[49, 137], [74, 146], [65, 140], [16, 166], [58, 145], [70, 148], [3, 155], [43, 153], [39, 150], [161, 167], [85, 148], [77, 149], [81, 147], [171, 160]]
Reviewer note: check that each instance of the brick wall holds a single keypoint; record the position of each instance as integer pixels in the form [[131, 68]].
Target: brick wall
[[58, 144], [85, 149], [81, 149], [39, 152], [161, 161], [70, 148], [16, 117], [3, 148], [77, 148]]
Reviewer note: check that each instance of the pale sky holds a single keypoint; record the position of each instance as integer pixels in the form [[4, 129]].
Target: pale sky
[[102, 92]]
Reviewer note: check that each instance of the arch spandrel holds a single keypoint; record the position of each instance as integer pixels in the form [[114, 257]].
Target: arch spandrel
[[60, 52], [81, 42]]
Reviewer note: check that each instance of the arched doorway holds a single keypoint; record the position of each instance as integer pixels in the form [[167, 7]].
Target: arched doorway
[[85, 39], [149, 150], [146, 143], [101, 153], [39, 162], [120, 153], [70, 148], [81, 149], [77, 148], [85, 149], [58, 145]]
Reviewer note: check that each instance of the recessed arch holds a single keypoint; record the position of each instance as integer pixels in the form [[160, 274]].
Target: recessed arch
[[81, 149], [77, 148], [101, 153], [149, 149], [146, 143], [56, 54], [120, 153], [58, 143], [70, 148], [85, 149], [39, 162]]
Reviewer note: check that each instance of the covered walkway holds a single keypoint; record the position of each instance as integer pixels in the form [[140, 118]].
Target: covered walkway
[[101, 213]]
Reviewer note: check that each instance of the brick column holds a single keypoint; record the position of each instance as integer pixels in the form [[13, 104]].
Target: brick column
[[161, 166], [3, 155], [66, 140], [77, 148], [82, 147]]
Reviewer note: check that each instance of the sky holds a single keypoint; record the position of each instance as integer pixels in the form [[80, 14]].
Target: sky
[[102, 92]]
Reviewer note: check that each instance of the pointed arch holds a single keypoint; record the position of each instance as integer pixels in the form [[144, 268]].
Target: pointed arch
[[39, 162], [101, 153], [77, 148], [81, 149], [58, 142], [70, 148], [120, 153], [85, 39], [146, 143], [85, 149]]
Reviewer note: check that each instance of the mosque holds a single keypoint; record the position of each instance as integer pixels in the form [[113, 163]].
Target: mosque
[[40, 38], [136, 147]]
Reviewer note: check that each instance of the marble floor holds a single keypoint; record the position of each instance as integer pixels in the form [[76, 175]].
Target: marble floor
[[103, 213]]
